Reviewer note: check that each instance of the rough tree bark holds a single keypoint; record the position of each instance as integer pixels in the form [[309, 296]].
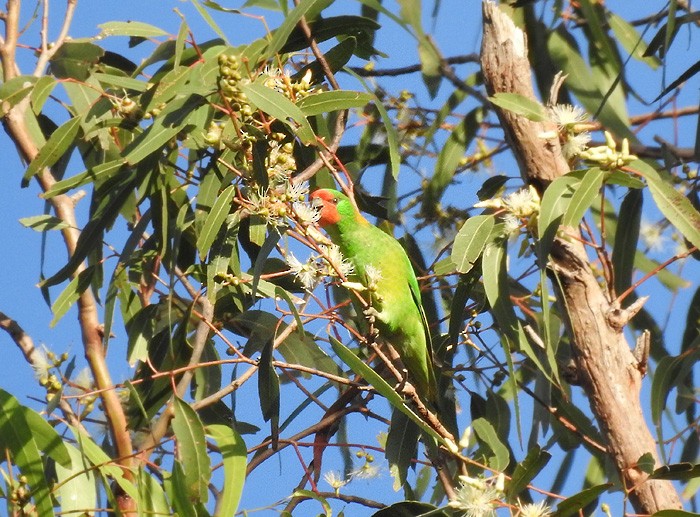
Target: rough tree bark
[[608, 372]]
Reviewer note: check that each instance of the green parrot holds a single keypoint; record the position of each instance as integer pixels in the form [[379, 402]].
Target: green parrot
[[383, 268]]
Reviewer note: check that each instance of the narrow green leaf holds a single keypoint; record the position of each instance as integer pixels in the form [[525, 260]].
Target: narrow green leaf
[[118, 81], [215, 219], [56, 146], [233, 451], [392, 137], [326, 102], [520, 105], [192, 450], [554, 204], [70, 294], [106, 465], [526, 470], [670, 372], [674, 205], [631, 40], [376, 381], [450, 158], [176, 488], [152, 500], [269, 390], [41, 91], [13, 91], [97, 174], [282, 33], [487, 436], [77, 490], [573, 504], [166, 126], [16, 437], [675, 513], [582, 82], [401, 446], [46, 437], [626, 237], [680, 471], [470, 241], [274, 103], [329, 27], [586, 191], [210, 21], [43, 223], [308, 494], [134, 29]]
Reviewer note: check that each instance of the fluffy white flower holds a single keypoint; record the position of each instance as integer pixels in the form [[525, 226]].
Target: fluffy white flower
[[334, 480], [566, 115], [374, 275], [366, 471], [306, 272], [306, 214], [574, 145], [534, 510], [523, 203], [512, 224], [652, 235], [475, 498], [297, 191], [335, 260], [41, 362]]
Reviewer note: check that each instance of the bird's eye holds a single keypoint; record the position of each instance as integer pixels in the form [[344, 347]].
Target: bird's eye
[[334, 200]]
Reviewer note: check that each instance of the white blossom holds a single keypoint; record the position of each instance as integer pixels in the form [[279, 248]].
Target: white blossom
[[297, 191], [374, 275], [475, 498], [335, 260], [511, 224], [334, 480], [523, 203], [41, 363], [366, 471], [652, 235], [306, 272], [574, 145], [566, 115], [306, 214], [534, 510]]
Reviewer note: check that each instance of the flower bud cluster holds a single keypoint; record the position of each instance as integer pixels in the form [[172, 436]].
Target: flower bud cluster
[[607, 157]]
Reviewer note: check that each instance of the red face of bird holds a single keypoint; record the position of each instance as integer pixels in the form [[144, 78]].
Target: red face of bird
[[327, 200]]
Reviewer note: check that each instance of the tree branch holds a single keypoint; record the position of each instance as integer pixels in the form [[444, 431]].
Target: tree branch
[[605, 362]]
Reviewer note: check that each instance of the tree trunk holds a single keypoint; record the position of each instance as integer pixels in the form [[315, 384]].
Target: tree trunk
[[608, 371]]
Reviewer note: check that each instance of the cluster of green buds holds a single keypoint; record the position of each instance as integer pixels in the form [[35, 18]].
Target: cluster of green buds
[[213, 135], [127, 107], [21, 495], [280, 160], [154, 112], [280, 80], [277, 203], [607, 157], [50, 381], [230, 78]]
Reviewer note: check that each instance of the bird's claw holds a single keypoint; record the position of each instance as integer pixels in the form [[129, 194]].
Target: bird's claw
[[371, 314]]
